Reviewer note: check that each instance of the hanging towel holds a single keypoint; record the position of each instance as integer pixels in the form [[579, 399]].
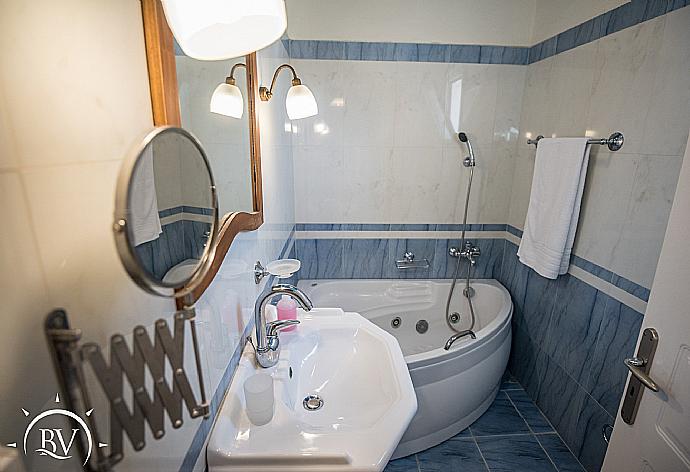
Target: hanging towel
[[144, 221], [554, 205]]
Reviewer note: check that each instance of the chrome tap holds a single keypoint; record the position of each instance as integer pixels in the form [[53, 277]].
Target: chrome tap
[[469, 252], [267, 348]]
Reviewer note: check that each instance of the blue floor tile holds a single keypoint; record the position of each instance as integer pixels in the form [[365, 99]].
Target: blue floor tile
[[520, 453], [529, 411], [454, 455], [500, 418], [559, 453], [405, 464]]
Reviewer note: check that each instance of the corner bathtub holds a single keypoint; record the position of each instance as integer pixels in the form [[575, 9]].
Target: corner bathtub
[[453, 387]]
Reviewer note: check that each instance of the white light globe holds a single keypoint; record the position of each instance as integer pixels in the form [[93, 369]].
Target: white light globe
[[300, 102], [227, 100], [222, 29]]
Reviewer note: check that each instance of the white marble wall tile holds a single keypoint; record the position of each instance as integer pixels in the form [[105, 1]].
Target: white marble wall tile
[[319, 183], [605, 202], [402, 159], [522, 185], [325, 79], [74, 236], [478, 101], [369, 102], [57, 82], [625, 70], [666, 125], [25, 299], [653, 189], [511, 86], [365, 178], [413, 184], [420, 104], [537, 116], [8, 154], [572, 76]]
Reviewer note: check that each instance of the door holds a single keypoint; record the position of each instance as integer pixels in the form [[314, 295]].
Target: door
[[659, 438]]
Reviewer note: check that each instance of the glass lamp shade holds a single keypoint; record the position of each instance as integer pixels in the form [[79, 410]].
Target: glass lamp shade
[[222, 29], [300, 102], [227, 100]]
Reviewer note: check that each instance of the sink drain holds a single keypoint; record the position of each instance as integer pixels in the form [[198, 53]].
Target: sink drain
[[312, 402]]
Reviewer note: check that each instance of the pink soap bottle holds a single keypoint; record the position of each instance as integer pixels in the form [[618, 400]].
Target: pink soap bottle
[[287, 310]]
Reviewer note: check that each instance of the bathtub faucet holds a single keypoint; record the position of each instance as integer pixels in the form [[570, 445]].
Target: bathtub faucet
[[267, 348], [469, 252]]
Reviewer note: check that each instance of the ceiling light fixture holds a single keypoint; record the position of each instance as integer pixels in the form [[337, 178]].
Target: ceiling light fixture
[[222, 29]]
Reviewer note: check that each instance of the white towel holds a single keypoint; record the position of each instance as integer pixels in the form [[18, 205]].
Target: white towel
[[144, 221], [554, 205]]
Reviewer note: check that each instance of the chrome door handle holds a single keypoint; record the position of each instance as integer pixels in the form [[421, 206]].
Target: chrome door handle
[[636, 367], [639, 379]]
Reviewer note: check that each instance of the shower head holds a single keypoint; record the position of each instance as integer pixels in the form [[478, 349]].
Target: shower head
[[469, 160]]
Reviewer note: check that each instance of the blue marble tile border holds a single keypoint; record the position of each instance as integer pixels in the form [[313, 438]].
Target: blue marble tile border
[[196, 447], [398, 227], [604, 274], [596, 270], [407, 52], [625, 16], [185, 209]]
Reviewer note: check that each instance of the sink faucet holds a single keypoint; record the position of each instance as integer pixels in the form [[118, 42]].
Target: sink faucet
[[267, 348]]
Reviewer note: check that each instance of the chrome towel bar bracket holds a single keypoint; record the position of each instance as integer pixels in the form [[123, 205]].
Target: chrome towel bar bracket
[[613, 142]]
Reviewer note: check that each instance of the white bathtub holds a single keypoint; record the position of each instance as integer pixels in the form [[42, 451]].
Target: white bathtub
[[453, 387]]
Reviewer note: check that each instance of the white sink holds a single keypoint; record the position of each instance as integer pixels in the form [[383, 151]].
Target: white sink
[[360, 374]]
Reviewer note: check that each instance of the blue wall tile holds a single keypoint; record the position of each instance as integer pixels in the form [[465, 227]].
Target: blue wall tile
[[365, 258], [574, 326], [618, 332], [589, 445], [433, 52]]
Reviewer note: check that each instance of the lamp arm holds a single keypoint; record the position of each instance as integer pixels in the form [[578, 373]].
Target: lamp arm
[[231, 78], [267, 93]]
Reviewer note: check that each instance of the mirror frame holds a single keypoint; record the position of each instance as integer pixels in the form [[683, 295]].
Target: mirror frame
[[121, 226], [160, 57]]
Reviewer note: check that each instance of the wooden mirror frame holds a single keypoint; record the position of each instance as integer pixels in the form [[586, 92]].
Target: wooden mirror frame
[[165, 103]]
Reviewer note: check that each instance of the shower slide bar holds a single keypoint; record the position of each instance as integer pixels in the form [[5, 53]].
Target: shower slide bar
[[614, 142]]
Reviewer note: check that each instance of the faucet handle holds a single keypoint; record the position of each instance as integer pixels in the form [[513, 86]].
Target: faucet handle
[[273, 327]]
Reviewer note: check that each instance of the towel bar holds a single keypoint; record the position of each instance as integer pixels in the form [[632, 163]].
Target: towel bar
[[614, 142]]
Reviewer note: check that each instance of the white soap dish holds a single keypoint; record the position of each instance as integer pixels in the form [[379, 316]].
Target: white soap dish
[[283, 268]]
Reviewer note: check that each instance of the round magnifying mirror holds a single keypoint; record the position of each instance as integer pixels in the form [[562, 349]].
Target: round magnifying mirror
[[166, 213]]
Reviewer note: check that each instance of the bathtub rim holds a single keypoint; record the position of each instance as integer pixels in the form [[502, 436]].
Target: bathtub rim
[[433, 356]]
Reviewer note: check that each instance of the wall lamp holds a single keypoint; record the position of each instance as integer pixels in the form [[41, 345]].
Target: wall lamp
[[300, 102], [227, 97]]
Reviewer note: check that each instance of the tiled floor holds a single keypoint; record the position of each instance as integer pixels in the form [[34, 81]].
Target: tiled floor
[[512, 436]]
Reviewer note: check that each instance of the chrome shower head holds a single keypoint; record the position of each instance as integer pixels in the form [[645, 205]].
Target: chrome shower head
[[469, 160]]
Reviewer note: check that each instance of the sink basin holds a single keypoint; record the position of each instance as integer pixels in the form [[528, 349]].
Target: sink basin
[[360, 375]]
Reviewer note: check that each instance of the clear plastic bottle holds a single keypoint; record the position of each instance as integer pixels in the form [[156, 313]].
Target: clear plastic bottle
[[287, 310]]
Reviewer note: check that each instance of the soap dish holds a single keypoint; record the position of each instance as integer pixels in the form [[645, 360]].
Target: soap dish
[[283, 268]]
